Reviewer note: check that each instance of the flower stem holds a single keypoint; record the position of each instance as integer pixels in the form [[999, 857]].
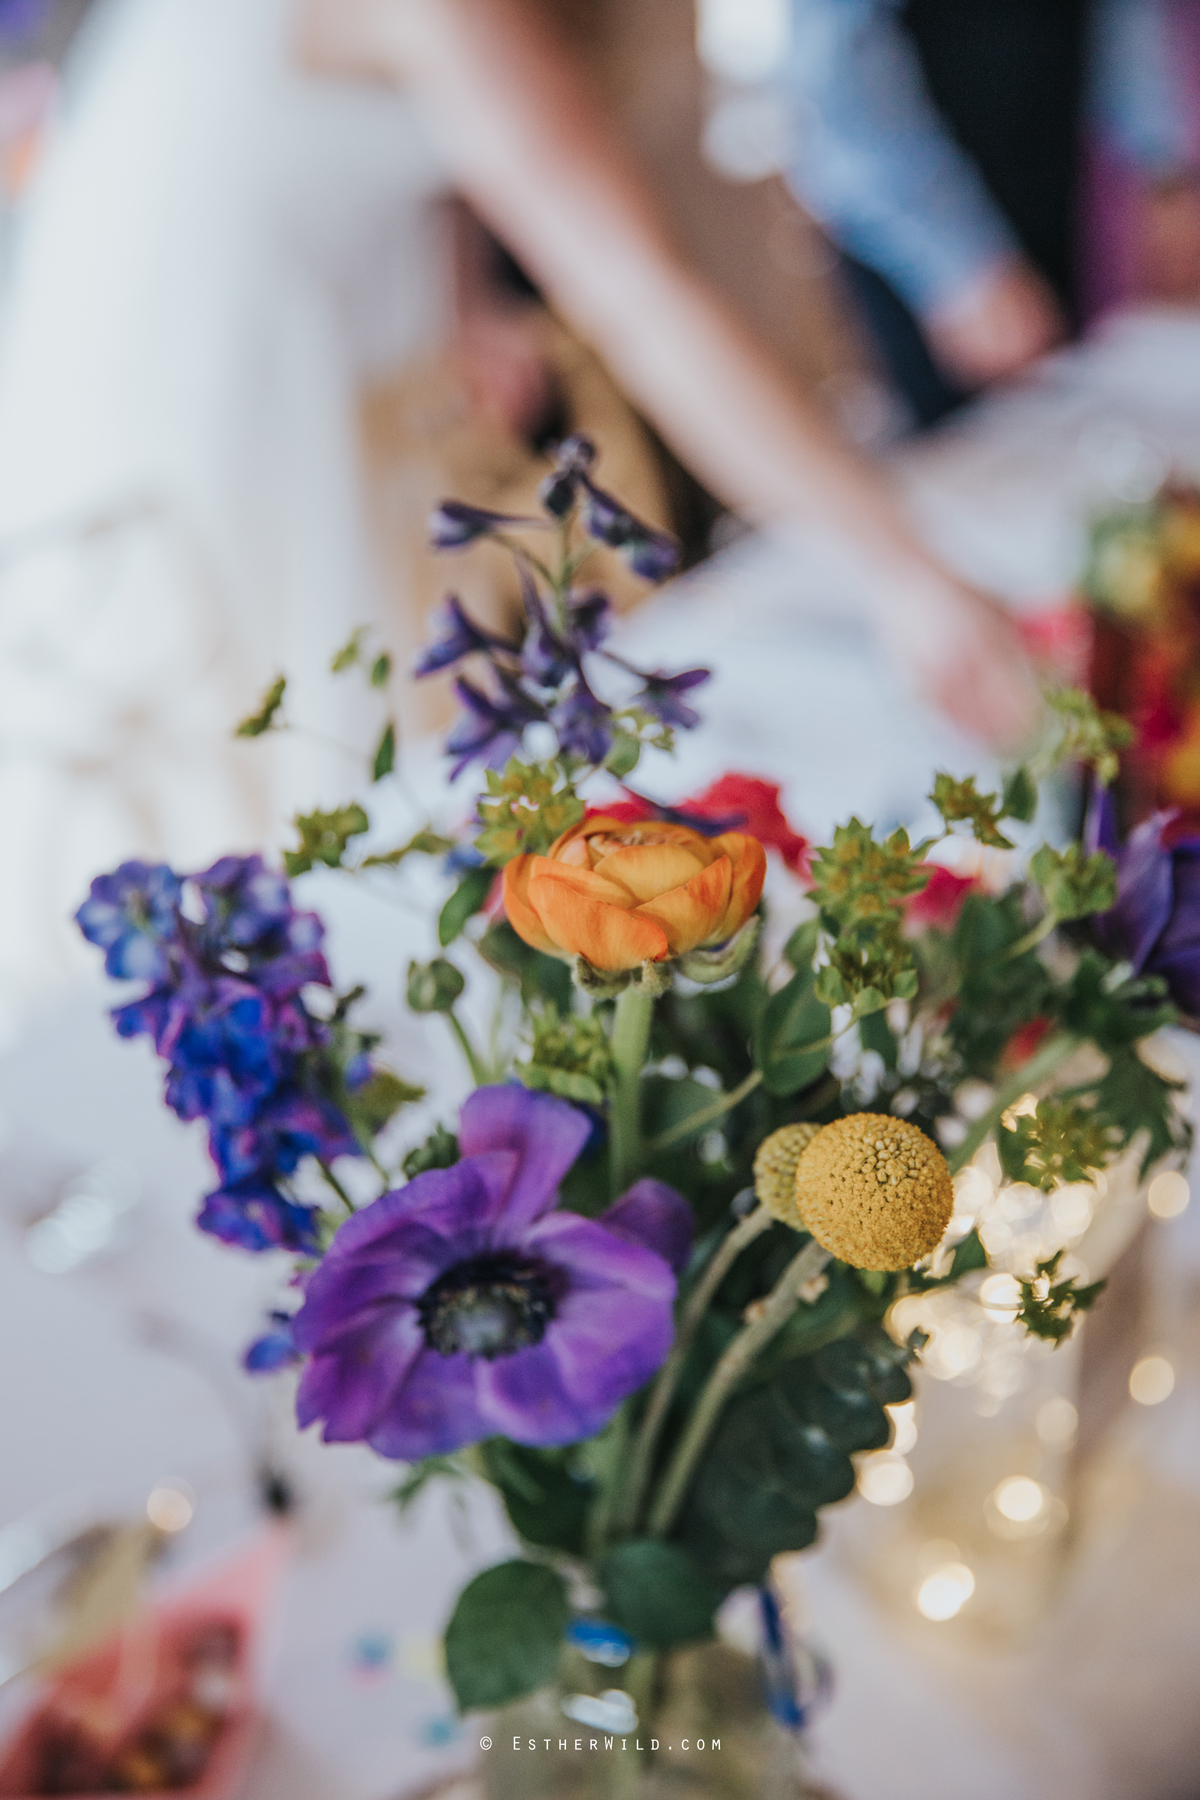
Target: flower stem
[[335, 1184], [698, 1120], [1038, 1069], [630, 1043], [778, 1308], [480, 1075], [1032, 938], [663, 1391]]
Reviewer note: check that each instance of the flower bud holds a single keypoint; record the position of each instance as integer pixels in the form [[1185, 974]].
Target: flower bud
[[435, 986]]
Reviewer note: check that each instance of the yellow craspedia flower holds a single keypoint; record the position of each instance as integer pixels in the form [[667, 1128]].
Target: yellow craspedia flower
[[875, 1191], [775, 1171]]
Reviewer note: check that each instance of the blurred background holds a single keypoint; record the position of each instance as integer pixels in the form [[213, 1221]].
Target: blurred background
[[880, 307]]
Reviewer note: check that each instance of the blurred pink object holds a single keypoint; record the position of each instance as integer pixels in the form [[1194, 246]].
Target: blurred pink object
[[168, 1706], [1059, 638]]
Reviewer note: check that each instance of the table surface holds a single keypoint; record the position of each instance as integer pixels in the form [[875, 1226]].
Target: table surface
[[126, 1372]]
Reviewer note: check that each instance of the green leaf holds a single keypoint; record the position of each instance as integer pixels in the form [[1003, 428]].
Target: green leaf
[[505, 1635], [324, 837], [439, 1151], [435, 986], [268, 706], [381, 670], [624, 756], [790, 1042], [546, 1504], [1020, 796], [969, 1255], [1074, 884], [420, 1474], [351, 650], [1064, 1140], [541, 977], [424, 843], [379, 1099], [1049, 1309], [467, 899], [801, 947], [385, 754], [1137, 1098], [566, 1083], [656, 1593], [958, 802], [1085, 734]]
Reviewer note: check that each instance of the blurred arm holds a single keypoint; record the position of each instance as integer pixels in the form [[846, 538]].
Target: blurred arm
[[528, 143]]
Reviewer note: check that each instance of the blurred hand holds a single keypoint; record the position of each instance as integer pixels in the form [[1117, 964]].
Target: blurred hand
[[1170, 241], [346, 37], [997, 327], [963, 653]]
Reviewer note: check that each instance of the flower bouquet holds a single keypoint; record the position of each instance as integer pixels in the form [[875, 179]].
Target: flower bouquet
[[645, 1284]]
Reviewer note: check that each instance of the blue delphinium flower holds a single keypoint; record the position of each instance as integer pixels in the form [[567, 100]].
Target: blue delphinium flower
[[227, 954], [275, 1349], [453, 524], [131, 915], [544, 678]]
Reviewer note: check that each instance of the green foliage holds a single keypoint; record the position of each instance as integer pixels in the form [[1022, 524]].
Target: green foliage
[[1020, 797], [546, 1502], [385, 753], [1048, 1308], [1064, 1140], [801, 948], [958, 802], [1074, 884], [996, 992], [381, 670], [792, 1036], [1137, 1098], [264, 718], [526, 807], [539, 976], [656, 1593], [624, 756], [434, 987], [424, 843], [378, 1100], [571, 1058], [324, 837], [468, 898], [439, 1151], [1081, 733], [505, 1634], [861, 886], [420, 1474], [350, 652]]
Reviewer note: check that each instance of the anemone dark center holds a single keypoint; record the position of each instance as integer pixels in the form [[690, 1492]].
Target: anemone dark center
[[489, 1306]]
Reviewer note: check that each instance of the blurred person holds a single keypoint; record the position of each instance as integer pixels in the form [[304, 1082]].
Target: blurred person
[[942, 143], [527, 139]]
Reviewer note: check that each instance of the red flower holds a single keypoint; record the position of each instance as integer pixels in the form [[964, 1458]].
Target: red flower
[[1022, 1044], [740, 803], [940, 900]]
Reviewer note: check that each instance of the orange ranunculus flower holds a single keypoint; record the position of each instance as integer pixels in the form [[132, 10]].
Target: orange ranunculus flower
[[620, 894]]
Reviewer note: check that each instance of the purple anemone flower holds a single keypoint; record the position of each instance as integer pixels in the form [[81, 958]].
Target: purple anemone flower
[[1155, 924], [130, 915], [458, 636], [463, 1306], [453, 524]]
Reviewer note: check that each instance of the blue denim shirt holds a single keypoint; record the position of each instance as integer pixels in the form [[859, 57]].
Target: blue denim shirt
[[874, 164]]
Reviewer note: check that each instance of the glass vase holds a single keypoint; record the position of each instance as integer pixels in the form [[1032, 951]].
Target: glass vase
[[690, 1724]]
